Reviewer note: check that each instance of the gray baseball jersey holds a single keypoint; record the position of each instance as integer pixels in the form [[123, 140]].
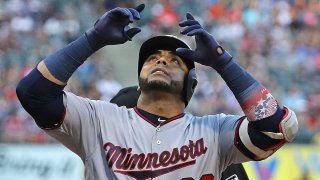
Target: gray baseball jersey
[[119, 143]]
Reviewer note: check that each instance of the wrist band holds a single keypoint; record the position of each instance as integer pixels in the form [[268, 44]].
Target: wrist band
[[64, 62]]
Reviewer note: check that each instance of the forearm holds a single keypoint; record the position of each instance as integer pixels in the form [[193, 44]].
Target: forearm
[[266, 126], [255, 100], [40, 92], [112, 28], [59, 66], [42, 68]]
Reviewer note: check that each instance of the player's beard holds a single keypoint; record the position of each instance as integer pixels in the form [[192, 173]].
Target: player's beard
[[175, 87]]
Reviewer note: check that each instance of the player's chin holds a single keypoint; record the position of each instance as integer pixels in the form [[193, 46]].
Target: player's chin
[[160, 85], [152, 83]]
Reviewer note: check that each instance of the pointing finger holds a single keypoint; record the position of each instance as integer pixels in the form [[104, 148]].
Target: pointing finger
[[140, 8], [189, 16], [188, 23], [190, 28]]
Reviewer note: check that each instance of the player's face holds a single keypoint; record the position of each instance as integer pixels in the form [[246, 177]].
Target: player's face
[[163, 71]]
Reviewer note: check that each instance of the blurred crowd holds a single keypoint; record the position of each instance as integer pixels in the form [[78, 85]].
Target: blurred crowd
[[277, 41]]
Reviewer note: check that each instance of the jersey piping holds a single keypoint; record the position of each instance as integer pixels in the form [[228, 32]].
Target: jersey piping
[[153, 122]]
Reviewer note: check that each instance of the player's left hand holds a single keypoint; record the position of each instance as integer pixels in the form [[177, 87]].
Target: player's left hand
[[208, 51]]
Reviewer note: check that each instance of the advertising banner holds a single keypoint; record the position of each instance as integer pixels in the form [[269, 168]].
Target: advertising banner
[[290, 162], [39, 162]]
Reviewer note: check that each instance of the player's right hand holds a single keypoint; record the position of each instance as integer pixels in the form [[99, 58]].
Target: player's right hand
[[113, 27]]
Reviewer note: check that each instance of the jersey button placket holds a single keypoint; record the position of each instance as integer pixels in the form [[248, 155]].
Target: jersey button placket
[[158, 141]]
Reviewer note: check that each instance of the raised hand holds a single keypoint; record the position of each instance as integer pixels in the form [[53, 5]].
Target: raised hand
[[208, 51], [113, 27]]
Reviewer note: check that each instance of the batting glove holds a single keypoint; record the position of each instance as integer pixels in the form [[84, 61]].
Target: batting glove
[[208, 51], [113, 27]]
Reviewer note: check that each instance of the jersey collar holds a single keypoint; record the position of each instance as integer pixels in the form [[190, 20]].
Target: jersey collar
[[156, 120]]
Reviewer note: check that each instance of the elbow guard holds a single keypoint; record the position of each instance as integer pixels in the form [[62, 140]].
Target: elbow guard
[[258, 143], [289, 125], [42, 99]]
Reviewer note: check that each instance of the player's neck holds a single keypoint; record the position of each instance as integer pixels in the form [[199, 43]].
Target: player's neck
[[165, 105]]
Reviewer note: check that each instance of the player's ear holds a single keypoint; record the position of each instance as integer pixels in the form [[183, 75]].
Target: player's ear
[[138, 88]]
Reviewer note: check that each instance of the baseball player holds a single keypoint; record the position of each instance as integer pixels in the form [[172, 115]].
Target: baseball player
[[129, 96], [157, 139]]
